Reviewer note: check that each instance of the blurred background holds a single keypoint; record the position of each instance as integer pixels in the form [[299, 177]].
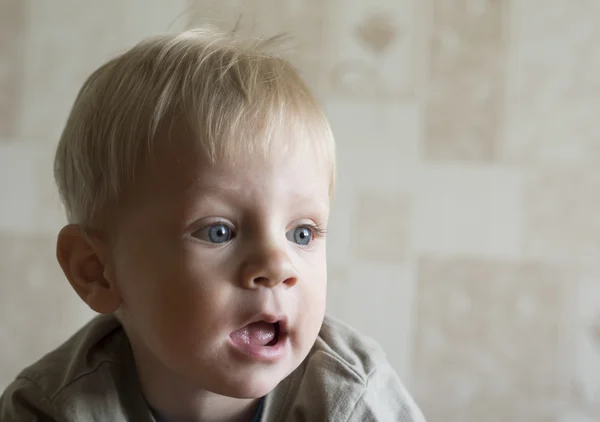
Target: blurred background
[[465, 235]]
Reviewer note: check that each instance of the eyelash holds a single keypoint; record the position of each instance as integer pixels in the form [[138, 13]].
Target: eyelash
[[316, 229]]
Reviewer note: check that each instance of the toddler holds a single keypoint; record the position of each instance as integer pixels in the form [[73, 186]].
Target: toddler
[[197, 171]]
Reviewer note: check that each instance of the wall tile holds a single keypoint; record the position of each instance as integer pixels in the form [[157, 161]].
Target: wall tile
[[65, 44], [340, 229], [338, 277], [13, 27], [560, 208], [38, 307], [378, 145], [468, 210], [432, 258], [463, 114], [374, 48], [30, 198], [583, 349], [553, 95], [377, 155], [58, 58], [380, 230], [487, 340]]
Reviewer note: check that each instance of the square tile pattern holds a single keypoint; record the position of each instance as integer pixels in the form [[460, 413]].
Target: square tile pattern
[[464, 235]]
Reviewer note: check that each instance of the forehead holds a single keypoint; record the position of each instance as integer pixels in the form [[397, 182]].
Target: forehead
[[179, 146], [283, 172], [181, 169]]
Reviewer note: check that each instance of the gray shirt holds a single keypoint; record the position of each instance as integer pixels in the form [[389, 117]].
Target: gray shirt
[[92, 377]]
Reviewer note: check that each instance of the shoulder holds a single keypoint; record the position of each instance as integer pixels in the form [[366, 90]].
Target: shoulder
[[85, 363], [349, 351], [346, 376], [90, 348], [24, 400]]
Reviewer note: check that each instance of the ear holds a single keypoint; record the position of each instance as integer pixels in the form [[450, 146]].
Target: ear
[[83, 259]]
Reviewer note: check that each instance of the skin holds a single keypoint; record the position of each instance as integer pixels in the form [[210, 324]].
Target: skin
[[180, 294]]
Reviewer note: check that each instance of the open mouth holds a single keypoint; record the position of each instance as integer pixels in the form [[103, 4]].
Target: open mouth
[[259, 333], [261, 339]]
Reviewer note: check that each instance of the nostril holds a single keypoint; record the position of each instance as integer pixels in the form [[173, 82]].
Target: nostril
[[290, 282], [261, 280], [267, 268], [273, 282]]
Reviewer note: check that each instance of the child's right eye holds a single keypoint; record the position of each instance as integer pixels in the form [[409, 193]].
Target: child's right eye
[[215, 233]]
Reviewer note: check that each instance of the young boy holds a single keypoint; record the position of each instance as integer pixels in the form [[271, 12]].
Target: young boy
[[196, 172]]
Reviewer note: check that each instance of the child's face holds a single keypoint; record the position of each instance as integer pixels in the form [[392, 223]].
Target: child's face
[[207, 253]]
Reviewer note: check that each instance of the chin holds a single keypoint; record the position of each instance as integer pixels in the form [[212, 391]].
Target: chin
[[250, 387]]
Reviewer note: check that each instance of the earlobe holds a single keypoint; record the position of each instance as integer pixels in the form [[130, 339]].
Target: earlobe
[[83, 259]]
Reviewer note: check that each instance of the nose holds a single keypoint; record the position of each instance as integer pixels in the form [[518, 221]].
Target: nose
[[267, 267]]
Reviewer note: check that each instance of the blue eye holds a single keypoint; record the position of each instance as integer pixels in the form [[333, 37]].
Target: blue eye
[[301, 235], [215, 233], [219, 233]]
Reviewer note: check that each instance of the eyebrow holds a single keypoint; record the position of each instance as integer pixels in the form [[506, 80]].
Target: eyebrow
[[323, 206], [232, 192], [213, 188]]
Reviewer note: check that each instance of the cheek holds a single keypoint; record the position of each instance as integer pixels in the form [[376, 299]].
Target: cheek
[[312, 304], [315, 276], [180, 317], [167, 291]]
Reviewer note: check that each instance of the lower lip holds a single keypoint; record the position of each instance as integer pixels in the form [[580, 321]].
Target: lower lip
[[262, 353]]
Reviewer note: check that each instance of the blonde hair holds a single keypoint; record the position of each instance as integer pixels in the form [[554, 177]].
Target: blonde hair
[[232, 93]]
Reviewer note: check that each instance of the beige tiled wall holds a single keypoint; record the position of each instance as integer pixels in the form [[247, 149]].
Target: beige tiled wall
[[465, 235]]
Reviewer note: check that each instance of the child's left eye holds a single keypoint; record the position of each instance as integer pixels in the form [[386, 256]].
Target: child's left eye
[[301, 235]]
